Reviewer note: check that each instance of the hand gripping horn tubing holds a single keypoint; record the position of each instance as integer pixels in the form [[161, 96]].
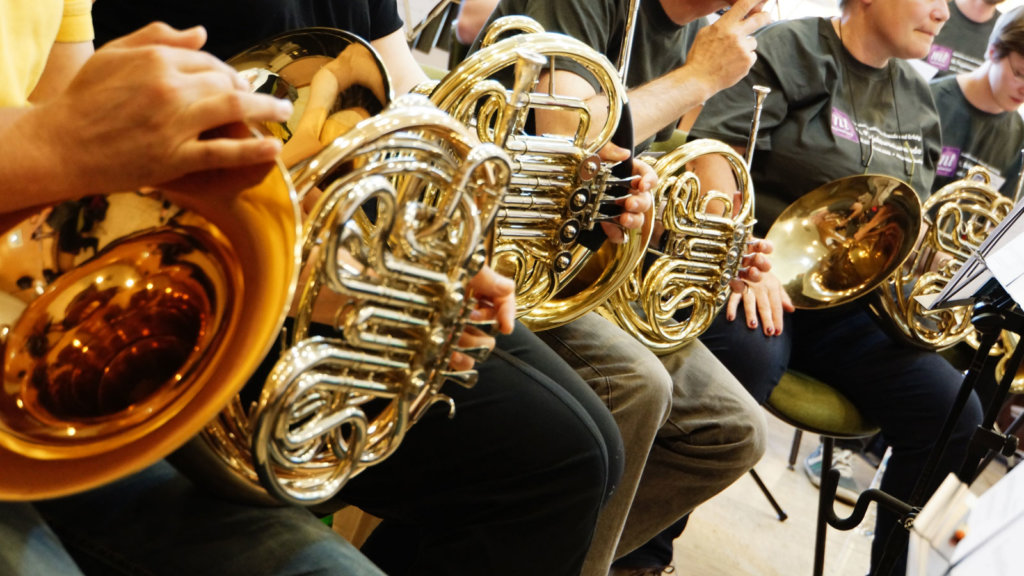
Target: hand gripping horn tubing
[[547, 230]]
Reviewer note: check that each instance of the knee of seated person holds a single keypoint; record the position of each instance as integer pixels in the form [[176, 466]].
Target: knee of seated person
[[748, 432], [653, 388], [971, 417], [754, 437]]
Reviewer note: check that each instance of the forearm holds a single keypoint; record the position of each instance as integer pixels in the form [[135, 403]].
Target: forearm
[[656, 104], [663, 101], [34, 170], [404, 70], [473, 14], [716, 173]]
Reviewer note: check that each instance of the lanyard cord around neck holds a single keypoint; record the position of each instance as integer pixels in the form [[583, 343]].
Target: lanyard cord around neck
[[867, 155]]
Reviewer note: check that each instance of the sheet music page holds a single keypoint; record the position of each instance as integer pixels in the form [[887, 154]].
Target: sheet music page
[[975, 273], [992, 543], [930, 547], [1007, 265], [961, 288]]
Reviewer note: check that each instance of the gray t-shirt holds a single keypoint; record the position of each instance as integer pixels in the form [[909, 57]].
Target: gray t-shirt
[[961, 44], [659, 45], [828, 116], [971, 137]]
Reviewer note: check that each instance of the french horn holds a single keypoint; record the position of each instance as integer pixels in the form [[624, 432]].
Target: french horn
[[957, 219], [545, 234], [844, 239], [685, 280], [403, 203], [335, 405]]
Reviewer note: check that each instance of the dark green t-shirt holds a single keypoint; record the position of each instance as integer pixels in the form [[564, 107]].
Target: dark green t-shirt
[[971, 137], [828, 116], [961, 44], [659, 45]]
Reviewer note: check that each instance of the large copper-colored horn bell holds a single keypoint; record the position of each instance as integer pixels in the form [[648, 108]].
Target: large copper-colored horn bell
[[126, 324], [841, 240]]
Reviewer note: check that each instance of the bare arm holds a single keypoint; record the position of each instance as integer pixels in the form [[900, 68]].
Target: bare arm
[[404, 70], [473, 14]]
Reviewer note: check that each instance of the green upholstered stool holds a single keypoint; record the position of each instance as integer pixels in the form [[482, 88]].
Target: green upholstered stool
[[677, 139], [809, 404]]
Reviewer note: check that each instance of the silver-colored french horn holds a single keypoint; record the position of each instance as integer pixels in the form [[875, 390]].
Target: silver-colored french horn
[[559, 184], [334, 405], [403, 203]]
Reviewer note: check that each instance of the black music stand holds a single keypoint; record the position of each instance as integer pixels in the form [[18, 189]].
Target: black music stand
[[994, 311]]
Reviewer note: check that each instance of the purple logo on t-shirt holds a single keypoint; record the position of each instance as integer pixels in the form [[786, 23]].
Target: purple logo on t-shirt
[[843, 127], [940, 56], [948, 161]]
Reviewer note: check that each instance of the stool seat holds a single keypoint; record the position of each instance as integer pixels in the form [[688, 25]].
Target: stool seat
[[809, 404], [812, 405]]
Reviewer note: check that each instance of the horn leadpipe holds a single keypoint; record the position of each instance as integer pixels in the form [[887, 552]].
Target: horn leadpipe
[[627, 39], [527, 71], [760, 92]]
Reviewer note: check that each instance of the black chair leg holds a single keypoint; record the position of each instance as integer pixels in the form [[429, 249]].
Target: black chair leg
[[824, 505], [794, 451], [767, 494]]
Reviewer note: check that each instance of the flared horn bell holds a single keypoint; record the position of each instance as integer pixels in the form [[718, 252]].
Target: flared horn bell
[[128, 321], [844, 238]]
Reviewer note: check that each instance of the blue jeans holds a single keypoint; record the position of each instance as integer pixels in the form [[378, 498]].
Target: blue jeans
[[511, 486], [907, 391], [158, 522], [27, 545]]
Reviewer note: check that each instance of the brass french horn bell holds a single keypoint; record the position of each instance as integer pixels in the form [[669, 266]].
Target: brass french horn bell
[[844, 238], [127, 323]]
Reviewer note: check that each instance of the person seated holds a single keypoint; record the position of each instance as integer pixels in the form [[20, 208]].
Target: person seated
[[978, 111], [961, 44], [76, 123], [513, 483], [689, 428], [843, 102]]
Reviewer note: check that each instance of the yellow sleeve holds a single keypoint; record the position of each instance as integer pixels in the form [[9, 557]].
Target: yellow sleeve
[[76, 24]]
